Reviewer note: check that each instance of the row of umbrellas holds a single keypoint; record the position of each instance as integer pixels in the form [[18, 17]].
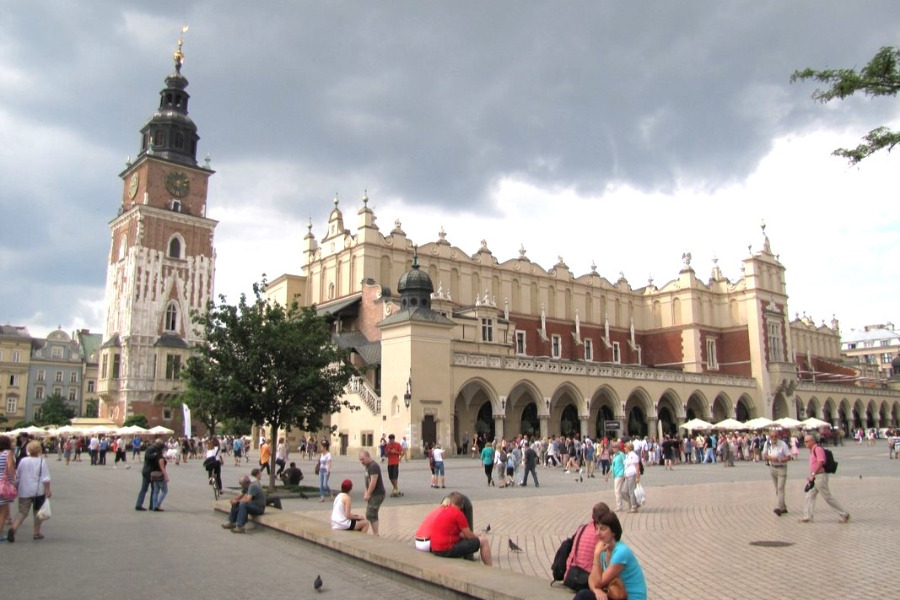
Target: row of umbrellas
[[69, 430], [755, 424]]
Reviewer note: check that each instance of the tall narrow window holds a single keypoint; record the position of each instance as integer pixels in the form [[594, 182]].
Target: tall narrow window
[[520, 343], [171, 323], [116, 363], [104, 366], [39, 393], [59, 376], [712, 360], [40, 375], [555, 346], [588, 349], [11, 404], [173, 366], [776, 347], [617, 353], [175, 244], [487, 330]]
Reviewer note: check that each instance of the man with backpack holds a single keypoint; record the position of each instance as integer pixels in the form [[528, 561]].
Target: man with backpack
[[817, 482]]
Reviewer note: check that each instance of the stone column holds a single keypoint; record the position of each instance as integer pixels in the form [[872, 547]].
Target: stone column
[[583, 425], [545, 425], [498, 426]]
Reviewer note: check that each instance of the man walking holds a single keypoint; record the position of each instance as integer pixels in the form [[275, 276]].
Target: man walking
[[817, 483], [777, 454], [374, 495], [530, 457], [394, 452]]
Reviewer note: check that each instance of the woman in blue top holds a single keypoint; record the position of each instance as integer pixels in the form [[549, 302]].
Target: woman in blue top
[[487, 459], [612, 559]]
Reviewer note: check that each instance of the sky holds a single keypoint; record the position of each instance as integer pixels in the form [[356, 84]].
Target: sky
[[621, 134]]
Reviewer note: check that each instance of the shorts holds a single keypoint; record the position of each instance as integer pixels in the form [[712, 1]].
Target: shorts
[[510, 471], [423, 544], [373, 506], [439, 469], [393, 472], [461, 548], [237, 453]]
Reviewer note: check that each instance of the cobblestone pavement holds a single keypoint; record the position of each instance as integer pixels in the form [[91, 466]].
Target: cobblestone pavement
[[693, 537], [697, 530]]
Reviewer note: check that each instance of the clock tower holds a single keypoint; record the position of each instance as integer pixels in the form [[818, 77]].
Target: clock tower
[[161, 265]]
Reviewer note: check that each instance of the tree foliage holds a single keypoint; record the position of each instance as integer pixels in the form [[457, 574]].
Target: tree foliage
[[880, 77], [55, 411], [267, 364], [139, 420]]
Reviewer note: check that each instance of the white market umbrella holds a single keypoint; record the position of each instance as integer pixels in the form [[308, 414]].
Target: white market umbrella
[[787, 423], [69, 430], [730, 424], [695, 424], [160, 430], [814, 423], [759, 423], [33, 431]]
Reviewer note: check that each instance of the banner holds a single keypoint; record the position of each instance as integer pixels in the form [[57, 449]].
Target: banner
[[187, 420]]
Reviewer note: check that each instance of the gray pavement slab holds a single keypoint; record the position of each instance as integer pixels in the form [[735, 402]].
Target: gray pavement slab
[[695, 535]]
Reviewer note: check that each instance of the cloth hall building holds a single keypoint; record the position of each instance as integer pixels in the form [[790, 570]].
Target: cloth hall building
[[451, 343]]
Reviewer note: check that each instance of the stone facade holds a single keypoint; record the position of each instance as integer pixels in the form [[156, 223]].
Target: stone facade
[[546, 352], [15, 358]]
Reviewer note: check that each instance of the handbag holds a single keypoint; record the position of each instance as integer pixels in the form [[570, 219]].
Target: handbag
[[576, 578], [156, 476], [8, 490], [43, 512], [317, 468]]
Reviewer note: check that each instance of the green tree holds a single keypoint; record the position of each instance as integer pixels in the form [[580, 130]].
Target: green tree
[[55, 411], [139, 420], [269, 364], [203, 394], [880, 77]]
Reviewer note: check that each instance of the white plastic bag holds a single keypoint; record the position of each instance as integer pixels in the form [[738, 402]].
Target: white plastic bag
[[43, 512], [640, 494]]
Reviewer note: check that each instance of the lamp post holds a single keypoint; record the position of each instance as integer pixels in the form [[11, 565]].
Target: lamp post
[[407, 397]]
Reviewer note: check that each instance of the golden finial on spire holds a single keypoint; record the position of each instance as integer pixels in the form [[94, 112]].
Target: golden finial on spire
[[179, 55]]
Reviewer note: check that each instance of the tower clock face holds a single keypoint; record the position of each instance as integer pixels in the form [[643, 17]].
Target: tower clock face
[[133, 185], [177, 183]]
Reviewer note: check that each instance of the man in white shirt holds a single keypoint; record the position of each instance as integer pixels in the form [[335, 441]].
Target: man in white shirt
[[94, 449], [777, 454]]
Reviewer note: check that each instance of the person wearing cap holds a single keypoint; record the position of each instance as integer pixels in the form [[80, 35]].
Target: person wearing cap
[[777, 454], [341, 515]]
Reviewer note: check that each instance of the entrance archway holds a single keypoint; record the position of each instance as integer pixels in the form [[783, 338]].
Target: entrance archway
[[568, 422], [667, 421], [484, 422], [636, 423], [603, 415], [530, 424]]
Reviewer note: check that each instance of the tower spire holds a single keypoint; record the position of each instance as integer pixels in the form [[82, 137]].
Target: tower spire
[[178, 54]]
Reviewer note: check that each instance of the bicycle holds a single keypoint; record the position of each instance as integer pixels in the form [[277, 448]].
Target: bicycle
[[215, 487]]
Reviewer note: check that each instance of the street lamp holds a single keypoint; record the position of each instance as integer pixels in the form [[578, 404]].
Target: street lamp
[[407, 397]]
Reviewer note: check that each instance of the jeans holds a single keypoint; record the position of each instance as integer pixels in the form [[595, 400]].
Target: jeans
[[324, 490], [158, 492], [530, 469], [240, 510], [145, 485]]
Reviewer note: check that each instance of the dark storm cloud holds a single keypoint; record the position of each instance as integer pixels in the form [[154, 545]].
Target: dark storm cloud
[[430, 103]]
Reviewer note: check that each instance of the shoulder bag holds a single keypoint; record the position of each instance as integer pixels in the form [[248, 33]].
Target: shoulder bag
[[616, 588], [576, 577]]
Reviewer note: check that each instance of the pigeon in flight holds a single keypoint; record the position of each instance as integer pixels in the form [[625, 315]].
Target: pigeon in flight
[[317, 584], [513, 547]]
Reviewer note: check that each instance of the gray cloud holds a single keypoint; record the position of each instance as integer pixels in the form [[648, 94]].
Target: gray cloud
[[429, 103]]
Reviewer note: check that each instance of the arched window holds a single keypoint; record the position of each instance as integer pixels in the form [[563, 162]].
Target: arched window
[[174, 248], [171, 323]]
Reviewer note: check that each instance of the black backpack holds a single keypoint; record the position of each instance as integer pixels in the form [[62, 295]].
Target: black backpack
[[558, 567], [831, 465]]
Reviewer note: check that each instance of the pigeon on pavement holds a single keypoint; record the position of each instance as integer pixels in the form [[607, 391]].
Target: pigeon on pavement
[[513, 547], [317, 584]]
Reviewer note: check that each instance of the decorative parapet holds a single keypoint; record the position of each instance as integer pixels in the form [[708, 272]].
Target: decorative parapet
[[361, 387], [844, 390], [588, 369]]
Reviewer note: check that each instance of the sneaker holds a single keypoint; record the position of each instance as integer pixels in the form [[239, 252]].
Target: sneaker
[[139, 508], [238, 530], [804, 520], [845, 518], [228, 525]]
